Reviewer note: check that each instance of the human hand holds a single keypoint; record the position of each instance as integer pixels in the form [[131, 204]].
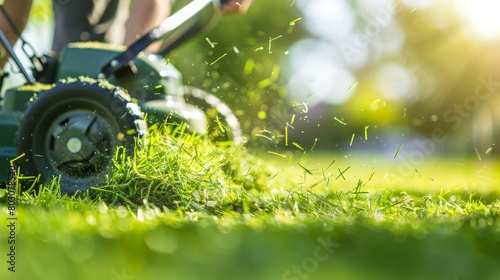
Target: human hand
[[235, 6]]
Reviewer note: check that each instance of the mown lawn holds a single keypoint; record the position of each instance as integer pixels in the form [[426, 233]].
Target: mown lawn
[[183, 208]]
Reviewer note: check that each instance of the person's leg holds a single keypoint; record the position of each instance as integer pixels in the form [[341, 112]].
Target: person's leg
[[18, 11], [88, 20], [71, 22]]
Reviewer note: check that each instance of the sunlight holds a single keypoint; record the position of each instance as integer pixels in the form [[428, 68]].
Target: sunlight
[[482, 15]]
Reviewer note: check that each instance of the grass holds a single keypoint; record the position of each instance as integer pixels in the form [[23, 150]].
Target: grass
[[185, 208]]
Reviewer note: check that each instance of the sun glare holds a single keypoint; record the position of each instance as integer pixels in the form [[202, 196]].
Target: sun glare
[[483, 16]]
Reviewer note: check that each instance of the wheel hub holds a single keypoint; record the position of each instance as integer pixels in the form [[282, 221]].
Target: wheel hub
[[79, 140], [74, 145]]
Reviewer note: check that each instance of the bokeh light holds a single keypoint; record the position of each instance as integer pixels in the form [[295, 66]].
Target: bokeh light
[[317, 75], [328, 18], [482, 16], [396, 82], [417, 4]]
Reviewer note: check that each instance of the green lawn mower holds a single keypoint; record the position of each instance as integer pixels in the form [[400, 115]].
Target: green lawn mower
[[79, 107]]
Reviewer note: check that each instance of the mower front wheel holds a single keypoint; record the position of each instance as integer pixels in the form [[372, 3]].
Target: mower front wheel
[[73, 131]]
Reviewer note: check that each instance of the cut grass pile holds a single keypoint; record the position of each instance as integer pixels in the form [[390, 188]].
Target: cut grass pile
[[185, 208]]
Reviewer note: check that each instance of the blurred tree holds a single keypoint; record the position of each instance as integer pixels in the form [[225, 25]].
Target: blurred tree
[[418, 69], [456, 76]]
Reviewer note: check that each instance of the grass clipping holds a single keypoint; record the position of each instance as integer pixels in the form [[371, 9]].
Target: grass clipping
[[185, 172]]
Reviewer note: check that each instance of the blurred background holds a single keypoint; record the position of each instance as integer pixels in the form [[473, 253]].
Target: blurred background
[[418, 77]]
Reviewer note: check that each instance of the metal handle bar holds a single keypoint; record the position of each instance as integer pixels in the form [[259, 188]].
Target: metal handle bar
[[167, 26]]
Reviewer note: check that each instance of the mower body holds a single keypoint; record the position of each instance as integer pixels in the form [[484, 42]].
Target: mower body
[[155, 84], [8, 127], [11, 110]]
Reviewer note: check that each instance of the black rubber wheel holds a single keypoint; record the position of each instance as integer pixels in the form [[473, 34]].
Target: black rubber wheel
[[223, 125], [73, 131]]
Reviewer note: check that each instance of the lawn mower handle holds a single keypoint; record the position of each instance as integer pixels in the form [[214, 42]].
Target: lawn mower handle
[[171, 25], [8, 47]]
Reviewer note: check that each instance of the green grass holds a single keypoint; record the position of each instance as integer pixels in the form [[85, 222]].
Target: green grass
[[185, 208]]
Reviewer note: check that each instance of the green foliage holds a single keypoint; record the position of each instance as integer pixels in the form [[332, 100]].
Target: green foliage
[[41, 11]]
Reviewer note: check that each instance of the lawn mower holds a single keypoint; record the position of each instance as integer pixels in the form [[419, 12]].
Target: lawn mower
[[77, 108]]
